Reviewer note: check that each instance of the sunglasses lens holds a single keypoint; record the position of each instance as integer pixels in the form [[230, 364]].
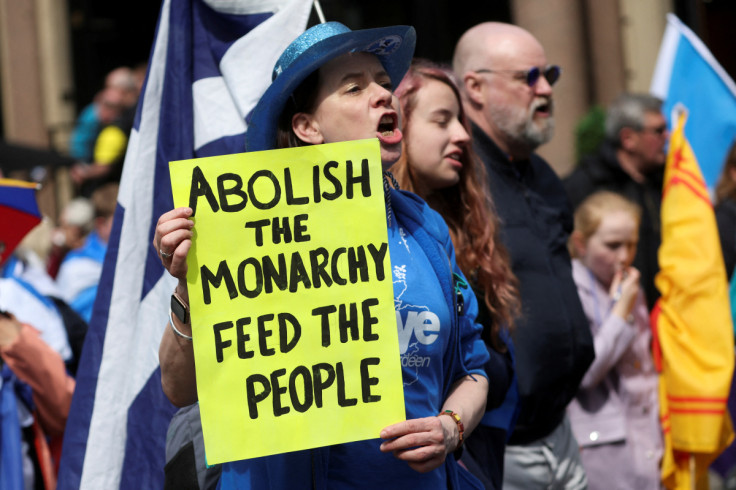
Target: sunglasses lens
[[532, 76], [552, 74], [659, 131]]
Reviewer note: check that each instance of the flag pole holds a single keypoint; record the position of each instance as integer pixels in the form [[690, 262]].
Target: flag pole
[[318, 9], [693, 477]]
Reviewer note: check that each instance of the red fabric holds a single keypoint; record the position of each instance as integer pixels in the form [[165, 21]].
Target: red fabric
[[42, 368]]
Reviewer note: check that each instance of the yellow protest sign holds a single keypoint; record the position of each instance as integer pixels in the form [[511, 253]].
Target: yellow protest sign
[[291, 298]]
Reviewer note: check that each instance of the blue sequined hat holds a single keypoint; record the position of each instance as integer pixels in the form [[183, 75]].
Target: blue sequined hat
[[394, 47]]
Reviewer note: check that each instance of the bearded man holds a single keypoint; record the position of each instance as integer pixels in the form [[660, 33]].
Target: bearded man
[[507, 93]]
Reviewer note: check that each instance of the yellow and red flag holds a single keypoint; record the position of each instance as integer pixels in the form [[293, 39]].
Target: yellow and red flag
[[694, 342]]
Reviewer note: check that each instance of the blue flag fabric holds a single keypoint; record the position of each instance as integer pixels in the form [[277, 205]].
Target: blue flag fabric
[[687, 73], [210, 63], [11, 459]]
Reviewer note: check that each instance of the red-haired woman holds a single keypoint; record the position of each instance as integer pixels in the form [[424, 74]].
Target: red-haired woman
[[438, 163]]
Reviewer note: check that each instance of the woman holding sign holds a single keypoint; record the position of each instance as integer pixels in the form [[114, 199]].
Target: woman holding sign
[[438, 163], [332, 85]]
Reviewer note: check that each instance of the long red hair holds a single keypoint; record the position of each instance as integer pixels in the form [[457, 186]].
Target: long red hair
[[467, 208]]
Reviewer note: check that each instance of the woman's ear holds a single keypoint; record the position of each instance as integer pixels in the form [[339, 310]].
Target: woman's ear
[[306, 128], [578, 242]]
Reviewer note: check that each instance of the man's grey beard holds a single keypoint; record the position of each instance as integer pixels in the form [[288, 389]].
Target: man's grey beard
[[519, 126]]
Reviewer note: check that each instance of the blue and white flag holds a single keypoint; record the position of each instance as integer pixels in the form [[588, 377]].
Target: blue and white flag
[[210, 63], [688, 74]]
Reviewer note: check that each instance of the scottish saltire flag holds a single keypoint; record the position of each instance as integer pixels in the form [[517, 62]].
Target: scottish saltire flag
[[691, 322], [211, 61], [688, 74]]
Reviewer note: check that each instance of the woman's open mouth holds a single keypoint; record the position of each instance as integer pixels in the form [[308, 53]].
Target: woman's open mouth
[[454, 159], [388, 131]]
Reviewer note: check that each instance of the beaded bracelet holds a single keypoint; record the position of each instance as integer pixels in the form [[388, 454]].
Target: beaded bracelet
[[460, 426], [173, 327]]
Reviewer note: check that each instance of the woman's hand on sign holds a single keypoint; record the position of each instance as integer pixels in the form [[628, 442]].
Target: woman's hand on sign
[[172, 240], [422, 443]]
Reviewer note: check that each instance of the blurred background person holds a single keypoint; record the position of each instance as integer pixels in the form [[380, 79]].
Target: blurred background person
[[36, 390], [79, 273], [105, 138], [615, 414], [438, 163], [126, 80], [107, 105], [631, 162], [28, 261], [139, 76], [36, 393], [726, 210], [75, 223], [29, 282]]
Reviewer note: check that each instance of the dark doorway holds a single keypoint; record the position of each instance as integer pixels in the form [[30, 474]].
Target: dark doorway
[[106, 35]]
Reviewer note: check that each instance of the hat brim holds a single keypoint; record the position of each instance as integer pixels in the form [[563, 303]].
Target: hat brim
[[263, 121]]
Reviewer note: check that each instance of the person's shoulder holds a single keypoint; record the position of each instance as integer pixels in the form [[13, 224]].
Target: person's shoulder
[[580, 274], [93, 250], [593, 172], [580, 172], [416, 204], [578, 184], [600, 167], [88, 113], [414, 207], [726, 207], [545, 177], [542, 167], [410, 198]]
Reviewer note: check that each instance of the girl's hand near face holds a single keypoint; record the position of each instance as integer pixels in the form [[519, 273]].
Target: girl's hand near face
[[624, 290]]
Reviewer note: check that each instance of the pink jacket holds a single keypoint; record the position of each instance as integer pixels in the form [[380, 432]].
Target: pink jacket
[[617, 400]]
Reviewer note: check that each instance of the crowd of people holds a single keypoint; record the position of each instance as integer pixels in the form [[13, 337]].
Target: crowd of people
[[555, 386], [48, 287]]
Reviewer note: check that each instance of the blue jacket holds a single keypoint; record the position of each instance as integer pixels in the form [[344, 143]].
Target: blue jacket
[[309, 469]]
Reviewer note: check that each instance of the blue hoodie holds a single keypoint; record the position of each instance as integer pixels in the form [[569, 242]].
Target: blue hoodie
[[426, 297]]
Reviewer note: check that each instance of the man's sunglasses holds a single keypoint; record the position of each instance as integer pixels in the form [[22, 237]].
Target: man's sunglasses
[[659, 130], [531, 76]]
